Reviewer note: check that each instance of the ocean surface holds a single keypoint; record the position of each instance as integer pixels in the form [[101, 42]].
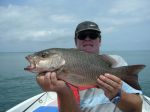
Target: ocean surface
[[17, 85]]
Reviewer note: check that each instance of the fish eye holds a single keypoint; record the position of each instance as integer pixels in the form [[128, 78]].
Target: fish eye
[[44, 54]]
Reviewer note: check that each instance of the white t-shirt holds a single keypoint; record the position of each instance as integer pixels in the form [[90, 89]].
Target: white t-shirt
[[94, 99]]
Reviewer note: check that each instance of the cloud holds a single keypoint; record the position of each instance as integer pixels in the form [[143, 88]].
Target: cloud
[[50, 21], [23, 23], [48, 35], [131, 9], [124, 13], [62, 18]]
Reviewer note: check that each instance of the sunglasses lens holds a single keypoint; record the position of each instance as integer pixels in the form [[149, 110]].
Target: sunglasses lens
[[91, 35]]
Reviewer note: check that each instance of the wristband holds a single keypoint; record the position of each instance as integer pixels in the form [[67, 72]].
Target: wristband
[[116, 99]]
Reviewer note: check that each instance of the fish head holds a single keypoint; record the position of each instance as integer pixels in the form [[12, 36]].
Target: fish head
[[44, 61]]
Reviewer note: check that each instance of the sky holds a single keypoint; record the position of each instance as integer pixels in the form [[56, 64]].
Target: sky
[[32, 25]]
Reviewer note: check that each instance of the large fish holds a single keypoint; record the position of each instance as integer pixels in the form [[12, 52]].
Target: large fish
[[80, 68]]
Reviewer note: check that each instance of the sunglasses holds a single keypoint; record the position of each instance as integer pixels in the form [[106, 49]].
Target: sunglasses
[[91, 35]]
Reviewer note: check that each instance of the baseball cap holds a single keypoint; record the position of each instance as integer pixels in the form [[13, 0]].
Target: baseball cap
[[87, 25]]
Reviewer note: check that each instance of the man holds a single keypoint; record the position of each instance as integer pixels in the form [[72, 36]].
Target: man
[[113, 95]]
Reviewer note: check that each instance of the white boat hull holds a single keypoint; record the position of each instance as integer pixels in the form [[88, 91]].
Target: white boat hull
[[31, 104], [49, 100]]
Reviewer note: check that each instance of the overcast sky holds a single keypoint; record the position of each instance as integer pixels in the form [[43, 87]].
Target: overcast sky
[[31, 25]]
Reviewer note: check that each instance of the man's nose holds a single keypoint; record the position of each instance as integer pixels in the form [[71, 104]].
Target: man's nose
[[87, 38]]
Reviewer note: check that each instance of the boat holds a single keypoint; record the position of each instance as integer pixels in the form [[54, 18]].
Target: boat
[[47, 101], [43, 102]]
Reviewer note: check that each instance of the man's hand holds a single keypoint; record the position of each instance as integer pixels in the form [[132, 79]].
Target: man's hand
[[110, 84], [49, 82]]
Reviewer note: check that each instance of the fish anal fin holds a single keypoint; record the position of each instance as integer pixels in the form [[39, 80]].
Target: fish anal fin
[[133, 81]]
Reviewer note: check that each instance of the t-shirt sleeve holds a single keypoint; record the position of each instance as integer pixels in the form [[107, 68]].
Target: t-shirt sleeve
[[119, 61]]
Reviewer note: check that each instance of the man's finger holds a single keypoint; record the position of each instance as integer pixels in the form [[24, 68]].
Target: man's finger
[[113, 77]]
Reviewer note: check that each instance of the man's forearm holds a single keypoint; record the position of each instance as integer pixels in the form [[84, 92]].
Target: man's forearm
[[67, 101], [130, 103]]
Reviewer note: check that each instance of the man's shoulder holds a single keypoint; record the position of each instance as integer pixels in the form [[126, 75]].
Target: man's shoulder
[[119, 61]]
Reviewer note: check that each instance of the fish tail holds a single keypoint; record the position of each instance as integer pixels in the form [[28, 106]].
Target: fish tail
[[129, 74]]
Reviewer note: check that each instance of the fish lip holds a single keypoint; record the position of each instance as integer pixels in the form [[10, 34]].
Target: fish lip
[[32, 65]]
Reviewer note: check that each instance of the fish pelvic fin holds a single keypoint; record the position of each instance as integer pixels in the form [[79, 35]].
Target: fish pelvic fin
[[129, 74]]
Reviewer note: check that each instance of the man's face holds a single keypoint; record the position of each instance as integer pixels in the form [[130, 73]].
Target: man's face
[[88, 41]]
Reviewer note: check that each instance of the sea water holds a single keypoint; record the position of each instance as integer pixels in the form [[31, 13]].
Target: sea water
[[17, 85]]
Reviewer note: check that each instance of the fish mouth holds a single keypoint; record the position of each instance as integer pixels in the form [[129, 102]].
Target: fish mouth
[[32, 65]]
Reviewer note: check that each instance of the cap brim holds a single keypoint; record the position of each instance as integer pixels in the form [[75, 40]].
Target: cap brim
[[88, 29]]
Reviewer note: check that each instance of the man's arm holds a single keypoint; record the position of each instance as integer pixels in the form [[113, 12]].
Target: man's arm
[[112, 85], [130, 102], [67, 101], [49, 82]]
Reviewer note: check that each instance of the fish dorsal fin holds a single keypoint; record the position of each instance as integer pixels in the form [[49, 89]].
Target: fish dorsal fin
[[108, 59]]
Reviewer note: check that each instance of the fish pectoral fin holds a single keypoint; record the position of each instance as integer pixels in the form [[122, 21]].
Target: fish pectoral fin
[[71, 78]]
